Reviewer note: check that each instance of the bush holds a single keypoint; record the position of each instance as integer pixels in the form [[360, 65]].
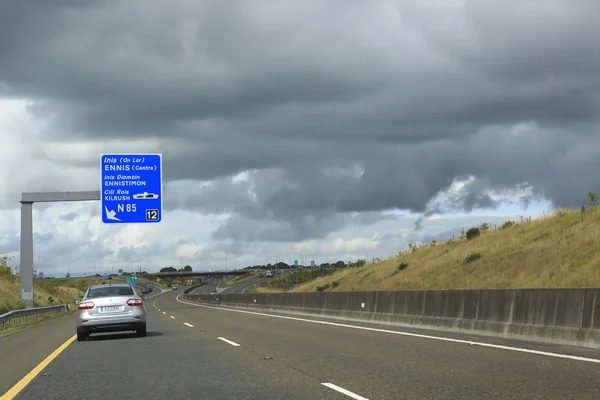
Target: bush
[[5, 269], [323, 288], [335, 283], [472, 258], [593, 199], [507, 224], [402, 265], [473, 233]]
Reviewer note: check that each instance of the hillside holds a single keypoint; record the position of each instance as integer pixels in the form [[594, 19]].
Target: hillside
[[47, 292], [561, 250]]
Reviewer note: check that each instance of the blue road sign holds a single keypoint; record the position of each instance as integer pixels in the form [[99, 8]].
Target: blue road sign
[[131, 188]]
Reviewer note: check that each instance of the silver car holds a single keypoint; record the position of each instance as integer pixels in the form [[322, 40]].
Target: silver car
[[110, 308]]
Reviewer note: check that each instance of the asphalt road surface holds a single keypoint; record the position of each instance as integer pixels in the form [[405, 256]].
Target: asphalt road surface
[[244, 286], [240, 288], [199, 352], [205, 289]]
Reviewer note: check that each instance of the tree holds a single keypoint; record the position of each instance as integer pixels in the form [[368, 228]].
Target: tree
[[593, 199], [5, 269], [168, 269], [187, 268]]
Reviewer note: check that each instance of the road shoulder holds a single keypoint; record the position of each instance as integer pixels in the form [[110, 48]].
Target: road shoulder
[[24, 349]]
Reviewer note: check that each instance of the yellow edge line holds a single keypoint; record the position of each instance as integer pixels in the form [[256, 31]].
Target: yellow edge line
[[13, 391]]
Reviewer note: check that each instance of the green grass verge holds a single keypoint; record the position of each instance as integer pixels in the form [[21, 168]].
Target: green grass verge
[[47, 292]]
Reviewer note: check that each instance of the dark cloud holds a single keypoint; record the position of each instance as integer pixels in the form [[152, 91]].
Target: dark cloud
[[9, 244], [68, 217], [334, 107], [133, 254], [43, 238], [313, 225]]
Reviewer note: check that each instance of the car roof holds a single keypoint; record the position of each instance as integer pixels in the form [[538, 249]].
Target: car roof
[[111, 284]]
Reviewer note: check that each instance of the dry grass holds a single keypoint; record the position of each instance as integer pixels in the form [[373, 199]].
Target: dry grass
[[559, 251], [46, 291]]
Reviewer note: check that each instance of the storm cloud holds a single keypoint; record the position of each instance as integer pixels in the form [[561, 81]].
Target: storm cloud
[[293, 116]]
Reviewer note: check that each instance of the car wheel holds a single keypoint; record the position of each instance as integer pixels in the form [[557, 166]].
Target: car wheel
[[81, 335], [141, 331]]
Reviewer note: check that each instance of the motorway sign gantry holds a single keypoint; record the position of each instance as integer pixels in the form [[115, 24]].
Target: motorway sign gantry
[[131, 188]]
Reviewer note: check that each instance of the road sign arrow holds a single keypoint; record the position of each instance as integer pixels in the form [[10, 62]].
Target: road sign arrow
[[111, 214]]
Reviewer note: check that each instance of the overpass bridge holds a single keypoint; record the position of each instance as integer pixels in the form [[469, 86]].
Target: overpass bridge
[[188, 274]]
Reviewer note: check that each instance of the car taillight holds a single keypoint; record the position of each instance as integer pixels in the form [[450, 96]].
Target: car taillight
[[135, 302], [86, 305]]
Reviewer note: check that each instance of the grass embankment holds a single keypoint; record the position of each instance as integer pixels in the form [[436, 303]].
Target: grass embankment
[[558, 251], [46, 291], [292, 279], [236, 280]]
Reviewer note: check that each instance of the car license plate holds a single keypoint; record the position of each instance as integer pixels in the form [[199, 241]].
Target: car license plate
[[109, 309]]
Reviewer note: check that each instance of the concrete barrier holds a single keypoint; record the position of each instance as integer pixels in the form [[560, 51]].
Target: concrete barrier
[[562, 316]]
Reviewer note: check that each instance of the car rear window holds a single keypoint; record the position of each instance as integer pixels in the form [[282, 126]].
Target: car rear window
[[109, 291]]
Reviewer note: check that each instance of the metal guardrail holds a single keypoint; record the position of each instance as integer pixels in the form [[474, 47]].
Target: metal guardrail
[[19, 317], [193, 287]]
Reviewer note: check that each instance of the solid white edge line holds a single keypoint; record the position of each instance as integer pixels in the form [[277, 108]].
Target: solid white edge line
[[190, 325], [344, 391], [422, 336], [172, 316], [228, 341]]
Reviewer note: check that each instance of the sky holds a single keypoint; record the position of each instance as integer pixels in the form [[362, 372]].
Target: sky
[[321, 130]]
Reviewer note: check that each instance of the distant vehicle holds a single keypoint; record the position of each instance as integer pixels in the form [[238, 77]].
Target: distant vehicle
[[261, 275], [174, 287], [111, 308], [277, 272], [269, 274], [144, 291]]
